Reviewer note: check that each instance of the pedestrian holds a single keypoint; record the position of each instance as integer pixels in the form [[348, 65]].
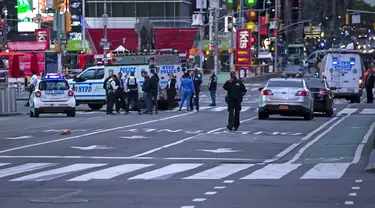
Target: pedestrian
[[212, 86], [370, 85], [112, 87], [32, 84], [147, 93], [154, 88], [171, 91], [235, 92], [197, 81], [186, 91], [131, 87], [120, 93], [105, 87]]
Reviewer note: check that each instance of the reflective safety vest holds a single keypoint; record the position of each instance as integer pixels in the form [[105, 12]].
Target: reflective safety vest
[[132, 84]]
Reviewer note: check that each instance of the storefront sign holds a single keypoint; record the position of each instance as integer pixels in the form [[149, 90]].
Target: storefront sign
[[43, 36], [28, 46], [75, 45], [243, 48]]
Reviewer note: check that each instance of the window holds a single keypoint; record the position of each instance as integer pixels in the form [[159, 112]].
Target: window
[[316, 83], [142, 9], [100, 74], [155, 9], [99, 10], [90, 10], [129, 9], [54, 85], [285, 84], [118, 10], [89, 74], [170, 9]]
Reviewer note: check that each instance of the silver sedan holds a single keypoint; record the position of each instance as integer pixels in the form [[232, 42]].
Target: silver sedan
[[286, 97]]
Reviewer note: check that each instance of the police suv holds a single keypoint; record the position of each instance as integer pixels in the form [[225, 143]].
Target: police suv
[[52, 95]]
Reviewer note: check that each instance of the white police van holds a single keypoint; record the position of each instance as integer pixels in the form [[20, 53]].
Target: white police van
[[343, 70], [52, 95], [88, 85]]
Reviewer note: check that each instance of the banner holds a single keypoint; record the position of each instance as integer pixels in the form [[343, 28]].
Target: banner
[[28, 46], [25, 61], [243, 48]]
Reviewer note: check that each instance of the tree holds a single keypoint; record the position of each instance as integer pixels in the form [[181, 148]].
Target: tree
[[366, 19]]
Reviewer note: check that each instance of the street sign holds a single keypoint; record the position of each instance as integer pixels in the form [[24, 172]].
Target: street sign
[[64, 41], [54, 41]]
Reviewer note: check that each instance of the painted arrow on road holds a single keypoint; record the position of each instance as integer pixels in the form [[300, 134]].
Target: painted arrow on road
[[93, 147], [20, 137], [221, 150], [134, 137]]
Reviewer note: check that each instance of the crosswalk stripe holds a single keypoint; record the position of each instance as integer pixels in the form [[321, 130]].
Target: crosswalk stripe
[[326, 171], [57, 173], [205, 107], [245, 109], [273, 171], [217, 109], [347, 111], [167, 171], [111, 172], [368, 111], [24, 168], [221, 171], [3, 164]]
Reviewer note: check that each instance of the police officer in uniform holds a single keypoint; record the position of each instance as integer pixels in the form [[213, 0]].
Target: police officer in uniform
[[105, 87], [131, 87], [235, 92], [112, 86]]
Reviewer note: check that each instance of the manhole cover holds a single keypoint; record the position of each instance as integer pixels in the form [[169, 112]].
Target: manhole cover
[[59, 201]]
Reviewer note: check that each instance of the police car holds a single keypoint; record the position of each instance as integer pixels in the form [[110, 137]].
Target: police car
[[52, 95]]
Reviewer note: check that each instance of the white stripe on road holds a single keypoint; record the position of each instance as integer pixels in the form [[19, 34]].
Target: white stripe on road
[[19, 137], [57, 173], [24, 168], [167, 171], [221, 171], [368, 111], [326, 171], [245, 109], [272, 171], [88, 112], [347, 111], [111, 172], [254, 89], [217, 109], [205, 108], [358, 152]]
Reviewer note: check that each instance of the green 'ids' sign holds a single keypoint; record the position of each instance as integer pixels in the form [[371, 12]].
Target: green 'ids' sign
[[251, 3]]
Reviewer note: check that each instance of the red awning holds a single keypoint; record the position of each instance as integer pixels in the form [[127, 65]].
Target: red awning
[[11, 54]]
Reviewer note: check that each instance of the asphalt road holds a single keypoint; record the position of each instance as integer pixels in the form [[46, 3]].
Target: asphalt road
[[185, 160]]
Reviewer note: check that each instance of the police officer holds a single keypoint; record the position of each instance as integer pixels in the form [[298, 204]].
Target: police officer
[[120, 92], [105, 87], [131, 87], [236, 90], [197, 80], [33, 82], [112, 87]]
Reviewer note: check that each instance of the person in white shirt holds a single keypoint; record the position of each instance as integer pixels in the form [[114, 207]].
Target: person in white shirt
[[131, 86], [112, 87], [32, 84]]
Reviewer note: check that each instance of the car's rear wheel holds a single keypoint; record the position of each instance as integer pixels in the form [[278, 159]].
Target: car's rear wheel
[[309, 116], [95, 106], [262, 115], [71, 113], [329, 113], [36, 114]]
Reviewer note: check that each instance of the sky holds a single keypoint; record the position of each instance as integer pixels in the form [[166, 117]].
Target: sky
[[372, 2]]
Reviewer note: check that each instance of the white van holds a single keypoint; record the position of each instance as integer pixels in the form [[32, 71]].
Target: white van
[[343, 69]]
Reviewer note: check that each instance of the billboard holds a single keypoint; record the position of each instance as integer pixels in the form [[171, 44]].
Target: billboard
[[29, 10], [76, 20], [243, 48]]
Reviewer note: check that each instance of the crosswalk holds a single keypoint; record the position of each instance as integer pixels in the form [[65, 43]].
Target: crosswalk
[[83, 172]]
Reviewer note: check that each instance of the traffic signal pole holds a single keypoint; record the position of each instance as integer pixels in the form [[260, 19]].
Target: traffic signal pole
[[58, 21]]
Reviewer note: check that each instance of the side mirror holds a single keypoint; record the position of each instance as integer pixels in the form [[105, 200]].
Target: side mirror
[[260, 88]]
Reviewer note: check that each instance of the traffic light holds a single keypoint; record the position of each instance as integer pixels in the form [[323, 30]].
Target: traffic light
[[347, 18], [68, 22], [267, 19], [374, 26], [229, 23], [56, 4], [311, 28], [281, 26]]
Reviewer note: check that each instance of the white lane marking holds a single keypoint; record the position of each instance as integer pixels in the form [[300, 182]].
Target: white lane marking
[[326, 171], [254, 89], [272, 171], [134, 137], [180, 141], [347, 111], [19, 137], [358, 181], [24, 168], [205, 108], [355, 188], [370, 111], [228, 181], [57, 173], [334, 109], [358, 152], [219, 187], [199, 199], [217, 109], [349, 202], [283, 153], [210, 158], [245, 109], [88, 112], [352, 194], [221, 171], [111, 172], [167, 171], [304, 148], [210, 193], [4, 164], [93, 133], [187, 207]]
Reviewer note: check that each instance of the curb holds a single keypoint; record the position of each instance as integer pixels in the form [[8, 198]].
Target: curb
[[11, 114], [265, 77]]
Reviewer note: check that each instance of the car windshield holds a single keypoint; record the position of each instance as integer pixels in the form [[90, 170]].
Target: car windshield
[[292, 68], [285, 83], [54, 85], [315, 83]]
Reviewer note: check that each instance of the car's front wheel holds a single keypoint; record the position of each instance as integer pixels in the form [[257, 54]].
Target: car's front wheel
[[262, 115]]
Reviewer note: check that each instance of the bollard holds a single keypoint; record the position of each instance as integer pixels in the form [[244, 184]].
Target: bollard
[[8, 100]]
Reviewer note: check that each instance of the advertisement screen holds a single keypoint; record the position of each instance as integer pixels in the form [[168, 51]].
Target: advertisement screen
[[27, 13]]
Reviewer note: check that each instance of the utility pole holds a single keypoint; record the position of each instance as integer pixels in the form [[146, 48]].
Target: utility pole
[[232, 41], [59, 25], [333, 23], [276, 35], [201, 31], [105, 24], [216, 58], [5, 12], [83, 27]]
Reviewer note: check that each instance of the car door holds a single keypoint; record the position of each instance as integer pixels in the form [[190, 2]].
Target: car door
[[97, 84], [83, 85]]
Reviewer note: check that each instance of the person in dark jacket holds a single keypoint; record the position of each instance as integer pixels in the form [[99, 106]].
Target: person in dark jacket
[[171, 91], [105, 87], [197, 80], [154, 88], [120, 92], [212, 86], [112, 87], [236, 90], [369, 86], [147, 93]]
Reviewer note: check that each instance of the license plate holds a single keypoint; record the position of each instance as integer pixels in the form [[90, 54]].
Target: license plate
[[284, 107], [54, 92], [350, 90]]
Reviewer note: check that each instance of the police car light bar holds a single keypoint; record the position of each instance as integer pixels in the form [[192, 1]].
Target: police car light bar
[[53, 76]]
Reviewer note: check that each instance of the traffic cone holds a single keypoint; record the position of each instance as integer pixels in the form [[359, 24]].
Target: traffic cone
[[65, 132]]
